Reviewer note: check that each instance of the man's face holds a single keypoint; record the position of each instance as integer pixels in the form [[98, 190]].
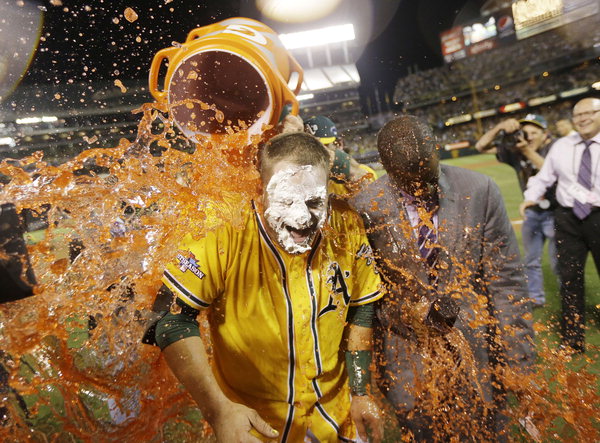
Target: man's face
[[586, 117], [420, 181], [563, 127], [534, 134], [295, 204]]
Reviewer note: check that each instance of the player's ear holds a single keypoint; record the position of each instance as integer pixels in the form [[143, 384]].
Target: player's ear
[[262, 162]]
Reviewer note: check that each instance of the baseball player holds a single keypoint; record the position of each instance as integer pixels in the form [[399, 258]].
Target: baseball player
[[345, 169], [285, 295]]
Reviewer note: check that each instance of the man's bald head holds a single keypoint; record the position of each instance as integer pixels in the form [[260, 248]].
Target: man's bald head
[[407, 149], [586, 117]]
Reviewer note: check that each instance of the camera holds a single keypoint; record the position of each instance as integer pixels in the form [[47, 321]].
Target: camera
[[510, 140]]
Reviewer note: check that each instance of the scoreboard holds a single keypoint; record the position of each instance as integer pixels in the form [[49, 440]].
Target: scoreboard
[[523, 19]]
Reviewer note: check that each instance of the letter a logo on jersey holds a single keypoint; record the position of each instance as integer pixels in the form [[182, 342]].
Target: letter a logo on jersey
[[189, 263]]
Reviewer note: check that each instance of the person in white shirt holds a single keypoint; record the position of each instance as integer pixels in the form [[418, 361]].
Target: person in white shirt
[[574, 164]]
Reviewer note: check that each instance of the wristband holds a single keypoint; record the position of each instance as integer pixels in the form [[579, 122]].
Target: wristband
[[341, 164], [361, 315], [359, 374]]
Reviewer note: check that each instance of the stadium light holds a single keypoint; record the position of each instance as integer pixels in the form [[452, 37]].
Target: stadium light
[[305, 97], [512, 107], [537, 101], [485, 113], [457, 145], [573, 92], [31, 120], [458, 119], [318, 37], [7, 141], [295, 11]]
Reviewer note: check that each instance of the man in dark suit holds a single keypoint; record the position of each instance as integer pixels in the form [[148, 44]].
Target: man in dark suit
[[456, 310]]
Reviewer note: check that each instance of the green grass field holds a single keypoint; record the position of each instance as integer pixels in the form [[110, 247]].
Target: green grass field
[[506, 179]]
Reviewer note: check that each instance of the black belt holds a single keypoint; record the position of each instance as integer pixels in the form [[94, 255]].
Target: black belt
[[570, 208]]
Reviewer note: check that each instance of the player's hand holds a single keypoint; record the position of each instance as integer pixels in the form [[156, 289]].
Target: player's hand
[[237, 423], [292, 123], [509, 125], [366, 415], [525, 205]]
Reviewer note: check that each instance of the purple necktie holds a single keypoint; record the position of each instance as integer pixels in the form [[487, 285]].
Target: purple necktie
[[427, 242], [584, 178]]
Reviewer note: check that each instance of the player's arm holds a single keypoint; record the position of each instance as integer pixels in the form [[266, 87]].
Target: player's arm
[[484, 144], [356, 172], [178, 336], [343, 166], [364, 410], [195, 277]]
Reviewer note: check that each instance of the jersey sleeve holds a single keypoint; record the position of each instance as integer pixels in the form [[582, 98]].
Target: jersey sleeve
[[369, 170], [367, 282], [196, 273]]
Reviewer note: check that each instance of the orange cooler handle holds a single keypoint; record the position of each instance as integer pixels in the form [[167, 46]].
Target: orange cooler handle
[[199, 32], [155, 67], [295, 107], [295, 67]]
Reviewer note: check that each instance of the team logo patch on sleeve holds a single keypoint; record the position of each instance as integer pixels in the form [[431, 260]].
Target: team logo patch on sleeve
[[187, 261], [365, 252]]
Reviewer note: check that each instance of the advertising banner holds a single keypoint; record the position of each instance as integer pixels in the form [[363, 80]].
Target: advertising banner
[[486, 45], [478, 31], [505, 27], [452, 43]]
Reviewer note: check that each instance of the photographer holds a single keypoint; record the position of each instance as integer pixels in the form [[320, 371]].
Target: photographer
[[523, 144]]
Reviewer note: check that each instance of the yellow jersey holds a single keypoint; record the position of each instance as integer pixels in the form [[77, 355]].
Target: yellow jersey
[[277, 319]]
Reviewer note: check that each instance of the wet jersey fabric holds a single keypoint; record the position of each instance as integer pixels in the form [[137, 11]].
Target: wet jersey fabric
[[339, 185], [277, 319]]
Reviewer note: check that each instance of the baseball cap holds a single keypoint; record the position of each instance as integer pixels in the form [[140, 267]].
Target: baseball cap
[[535, 119], [322, 128]]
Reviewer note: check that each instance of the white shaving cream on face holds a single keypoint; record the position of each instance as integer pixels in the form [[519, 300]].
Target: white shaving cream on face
[[297, 206]]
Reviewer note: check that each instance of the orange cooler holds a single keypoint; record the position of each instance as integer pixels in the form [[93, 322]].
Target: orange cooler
[[233, 73]]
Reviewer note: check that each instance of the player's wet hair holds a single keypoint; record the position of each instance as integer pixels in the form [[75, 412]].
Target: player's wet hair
[[295, 147], [404, 143]]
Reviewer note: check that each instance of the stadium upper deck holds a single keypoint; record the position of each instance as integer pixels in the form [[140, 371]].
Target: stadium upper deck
[[552, 50]]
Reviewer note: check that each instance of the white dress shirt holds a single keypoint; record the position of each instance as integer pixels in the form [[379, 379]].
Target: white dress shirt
[[562, 165], [413, 212]]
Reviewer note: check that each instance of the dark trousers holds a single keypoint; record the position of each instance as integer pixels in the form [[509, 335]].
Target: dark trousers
[[574, 239]]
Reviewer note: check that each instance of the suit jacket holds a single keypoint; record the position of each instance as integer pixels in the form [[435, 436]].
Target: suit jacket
[[479, 264]]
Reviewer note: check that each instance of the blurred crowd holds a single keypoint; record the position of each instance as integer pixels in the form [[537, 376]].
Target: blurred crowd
[[529, 57], [362, 141], [536, 86]]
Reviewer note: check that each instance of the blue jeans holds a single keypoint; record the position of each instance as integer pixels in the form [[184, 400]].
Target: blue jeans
[[537, 227]]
